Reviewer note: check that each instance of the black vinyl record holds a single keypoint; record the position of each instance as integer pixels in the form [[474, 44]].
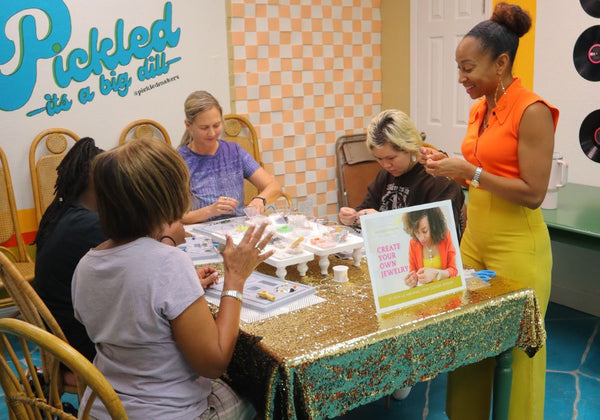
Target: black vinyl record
[[591, 7], [589, 135], [586, 54]]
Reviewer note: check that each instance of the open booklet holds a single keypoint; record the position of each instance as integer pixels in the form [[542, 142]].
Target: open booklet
[[412, 254]]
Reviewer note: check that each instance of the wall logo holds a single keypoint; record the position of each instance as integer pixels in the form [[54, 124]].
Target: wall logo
[[19, 57]]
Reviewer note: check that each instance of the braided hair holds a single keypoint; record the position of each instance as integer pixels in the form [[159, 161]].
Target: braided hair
[[72, 180]]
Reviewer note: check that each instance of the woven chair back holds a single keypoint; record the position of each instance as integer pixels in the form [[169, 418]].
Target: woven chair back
[[238, 129], [43, 164], [144, 129], [10, 226], [24, 393], [33, 310]]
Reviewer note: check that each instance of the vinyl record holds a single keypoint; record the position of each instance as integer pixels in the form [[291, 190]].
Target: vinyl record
[[586, 54], [591, 7], [589, 135]]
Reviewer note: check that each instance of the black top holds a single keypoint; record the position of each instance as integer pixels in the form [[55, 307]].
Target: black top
[[415, 187], [57, 256]]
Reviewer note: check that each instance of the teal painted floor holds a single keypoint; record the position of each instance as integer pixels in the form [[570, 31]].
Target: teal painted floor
[[572, 379]]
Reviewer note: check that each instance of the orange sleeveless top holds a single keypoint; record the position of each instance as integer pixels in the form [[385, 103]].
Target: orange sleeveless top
[[495, 150]]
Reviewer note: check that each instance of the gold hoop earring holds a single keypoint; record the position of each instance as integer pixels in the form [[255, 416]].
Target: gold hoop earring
[[499, 85], [502, 85]]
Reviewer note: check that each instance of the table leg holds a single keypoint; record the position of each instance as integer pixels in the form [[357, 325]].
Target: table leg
[[502, 383], [302, 269], [324, 264], [281, 272], [356, 255]]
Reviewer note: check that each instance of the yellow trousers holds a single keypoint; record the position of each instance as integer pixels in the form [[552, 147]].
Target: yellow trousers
[[513, 241]]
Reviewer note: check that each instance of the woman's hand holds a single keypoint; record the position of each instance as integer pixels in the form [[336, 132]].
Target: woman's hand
[[426, 275], [450, 167], [426, 153], [240, 261], [350, 216], [411, 279], [257, 203], [224, 205], [347, 215], [208, 276]]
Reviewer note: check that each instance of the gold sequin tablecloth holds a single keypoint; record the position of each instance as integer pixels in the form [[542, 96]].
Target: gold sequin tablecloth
[[324, 360]]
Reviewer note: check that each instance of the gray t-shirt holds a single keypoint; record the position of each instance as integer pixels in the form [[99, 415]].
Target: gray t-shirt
[[125, 297]]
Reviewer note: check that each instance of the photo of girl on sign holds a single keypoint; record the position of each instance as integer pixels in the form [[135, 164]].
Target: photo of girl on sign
[[431, 254]]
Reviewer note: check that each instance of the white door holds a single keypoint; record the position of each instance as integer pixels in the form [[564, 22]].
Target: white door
[[439, 105]]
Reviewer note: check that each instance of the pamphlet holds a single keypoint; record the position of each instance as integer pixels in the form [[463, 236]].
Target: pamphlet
[[413, 254]]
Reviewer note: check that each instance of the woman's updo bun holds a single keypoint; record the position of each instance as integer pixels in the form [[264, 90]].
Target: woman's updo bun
[[512, 17], [500, 34]]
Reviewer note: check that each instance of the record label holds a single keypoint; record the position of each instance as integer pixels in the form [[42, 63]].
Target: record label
[[591, 7], [586, 54], [589, 136]]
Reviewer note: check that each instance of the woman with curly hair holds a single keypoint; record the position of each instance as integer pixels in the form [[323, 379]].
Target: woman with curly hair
[[431, 254]]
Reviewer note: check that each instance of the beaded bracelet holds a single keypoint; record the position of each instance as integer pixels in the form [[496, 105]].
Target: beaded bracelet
[[355, 225]]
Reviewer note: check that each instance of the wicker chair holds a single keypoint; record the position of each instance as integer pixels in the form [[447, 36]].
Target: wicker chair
[[34, 311], [24, 394], [238, 129], [144, 129], [9, 226], [43, 170]]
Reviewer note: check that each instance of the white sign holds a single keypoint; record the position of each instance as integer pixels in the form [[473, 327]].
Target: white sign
[[413, 254]]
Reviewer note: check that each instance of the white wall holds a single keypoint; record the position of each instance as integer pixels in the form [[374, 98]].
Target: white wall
[[202, 47], [559, 24]]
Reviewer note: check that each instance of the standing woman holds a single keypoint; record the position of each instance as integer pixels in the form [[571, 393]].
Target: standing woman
[[508, 150], [218, 168]]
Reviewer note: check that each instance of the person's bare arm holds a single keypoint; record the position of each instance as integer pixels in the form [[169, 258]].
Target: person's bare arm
[[268, 188], [224, 205], [205, 342]]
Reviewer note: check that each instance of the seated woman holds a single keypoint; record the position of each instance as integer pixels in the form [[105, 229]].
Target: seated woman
[[431, 254], [141, 302], [68, 229], [402, 182], [218, 168]]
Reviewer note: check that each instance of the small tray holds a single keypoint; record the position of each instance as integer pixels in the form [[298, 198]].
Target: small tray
[[284, 291], [201, 250]]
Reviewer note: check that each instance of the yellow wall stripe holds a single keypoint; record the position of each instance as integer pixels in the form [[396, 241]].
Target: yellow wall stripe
[[524, 61]]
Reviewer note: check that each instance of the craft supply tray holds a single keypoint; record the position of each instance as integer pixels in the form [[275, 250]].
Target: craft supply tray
[[284, 291]]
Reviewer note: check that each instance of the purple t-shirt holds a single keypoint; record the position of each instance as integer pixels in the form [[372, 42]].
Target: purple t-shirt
[[221, 174]]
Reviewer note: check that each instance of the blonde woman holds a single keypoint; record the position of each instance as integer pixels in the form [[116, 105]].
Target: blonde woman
[[141, 301], [402, 182], [218, 168]]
